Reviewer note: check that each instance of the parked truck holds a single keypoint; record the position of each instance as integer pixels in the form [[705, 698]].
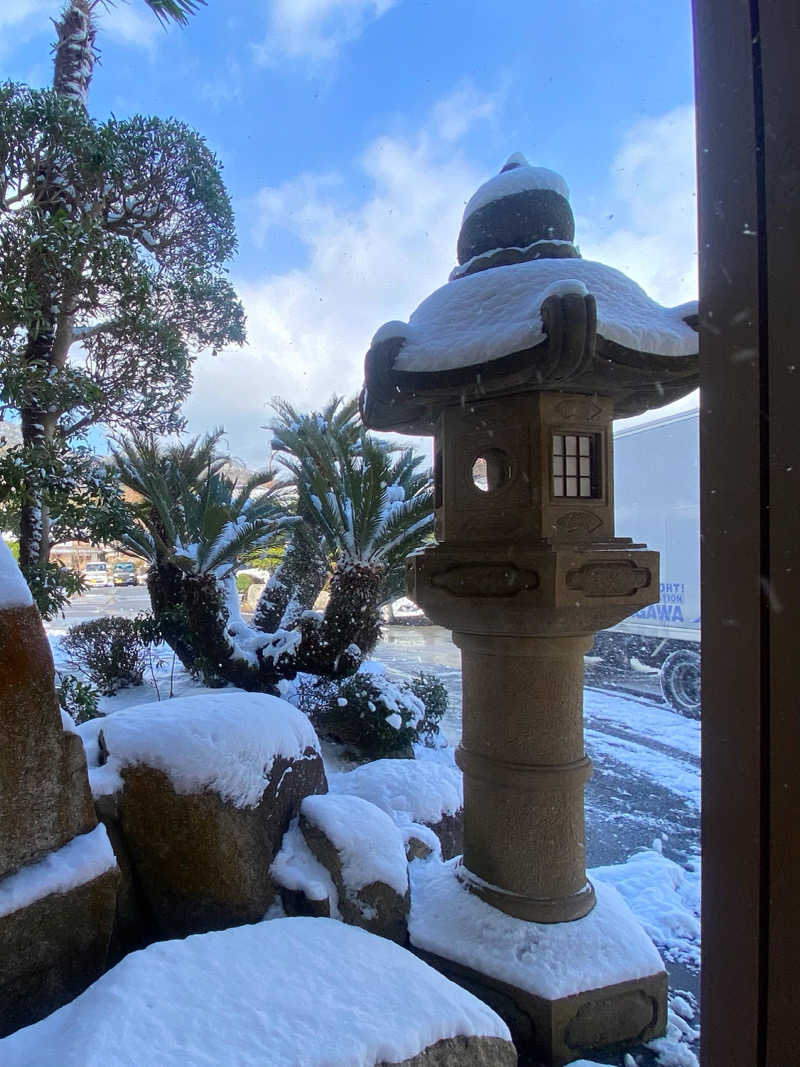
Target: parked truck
[[657, 501]]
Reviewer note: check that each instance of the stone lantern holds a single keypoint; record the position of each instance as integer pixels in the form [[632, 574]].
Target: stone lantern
[[517, 367]]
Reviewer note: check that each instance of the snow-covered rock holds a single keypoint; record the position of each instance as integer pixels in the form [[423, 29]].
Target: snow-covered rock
[[225, 742], [58, 878], [210, 785], [14, 591], [364, 853], [415, 791], [306, 886], [279, 993], [84, 858]]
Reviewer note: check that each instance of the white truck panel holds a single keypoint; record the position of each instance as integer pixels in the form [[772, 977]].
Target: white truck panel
[[657, 501]]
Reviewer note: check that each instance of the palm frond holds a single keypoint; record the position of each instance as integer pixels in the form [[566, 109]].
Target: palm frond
[[190, 512], [167, 11]]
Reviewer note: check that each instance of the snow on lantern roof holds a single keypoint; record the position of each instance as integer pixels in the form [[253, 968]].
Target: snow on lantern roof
[[523, 312], [496, 312], [517, 176]]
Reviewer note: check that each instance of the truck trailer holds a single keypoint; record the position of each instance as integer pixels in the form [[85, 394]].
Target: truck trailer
[[657, 501]]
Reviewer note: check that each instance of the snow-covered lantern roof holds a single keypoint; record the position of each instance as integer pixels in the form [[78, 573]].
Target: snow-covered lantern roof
[[524, 312]]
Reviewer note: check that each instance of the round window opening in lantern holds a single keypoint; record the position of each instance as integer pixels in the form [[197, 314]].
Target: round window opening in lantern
[[492, 470]]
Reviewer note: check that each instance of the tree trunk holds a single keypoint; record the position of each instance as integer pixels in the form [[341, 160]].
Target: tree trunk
[[34, 547], [164, 586], [190, 612], [74, 51], [351, 626], [294, 586], [73, 66]]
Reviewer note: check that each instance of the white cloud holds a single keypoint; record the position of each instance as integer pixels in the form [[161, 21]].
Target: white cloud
[[21, 20], [315, 29], [652, 232], [309, 328], [454, 115], [14, 12], [129, 24]]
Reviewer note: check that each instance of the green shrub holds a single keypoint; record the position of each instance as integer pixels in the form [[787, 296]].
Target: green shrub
[[374, 716], [244, 581], [433, 694], [78, 699], [111, 650]]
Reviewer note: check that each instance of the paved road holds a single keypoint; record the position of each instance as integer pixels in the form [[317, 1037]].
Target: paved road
[[126, 600], [646, 757]]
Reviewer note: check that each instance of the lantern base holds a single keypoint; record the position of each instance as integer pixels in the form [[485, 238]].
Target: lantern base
[[565, 990], [532, 909]]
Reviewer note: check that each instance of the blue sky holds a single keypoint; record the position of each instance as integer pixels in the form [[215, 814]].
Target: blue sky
[[352, 133]]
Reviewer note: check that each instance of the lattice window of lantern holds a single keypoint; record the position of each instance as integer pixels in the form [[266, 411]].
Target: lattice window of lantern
[[575, 472]]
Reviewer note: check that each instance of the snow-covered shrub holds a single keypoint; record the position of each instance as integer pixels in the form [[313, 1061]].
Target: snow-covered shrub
[[78, 699], [111, 650], [433, 694], [378, 718]]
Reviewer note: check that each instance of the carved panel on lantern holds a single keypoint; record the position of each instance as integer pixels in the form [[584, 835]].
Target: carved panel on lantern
[[582, 408], [485, 580], [609, 579]]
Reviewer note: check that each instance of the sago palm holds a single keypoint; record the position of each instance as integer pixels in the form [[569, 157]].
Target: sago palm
[[190, 513], [297, 582], [192, 525], [370, 503]]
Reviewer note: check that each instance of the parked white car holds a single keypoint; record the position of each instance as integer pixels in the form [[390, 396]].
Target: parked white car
[[97, 573]]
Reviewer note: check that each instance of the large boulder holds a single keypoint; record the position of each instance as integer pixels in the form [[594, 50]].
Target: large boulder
[[364, 853], [56, 917], [289, 991], [425, 792], [58, 876], [210, 784], [43, 782]]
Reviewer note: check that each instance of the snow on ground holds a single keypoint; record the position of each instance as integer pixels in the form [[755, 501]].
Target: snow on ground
[[284, 992], [664, 897], [678, 776], [675, 731], [416, 790], [547, 959], [225, 740], [79, 861]]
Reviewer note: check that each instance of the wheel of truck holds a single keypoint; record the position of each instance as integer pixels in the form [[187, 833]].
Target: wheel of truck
[[680, 682]]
